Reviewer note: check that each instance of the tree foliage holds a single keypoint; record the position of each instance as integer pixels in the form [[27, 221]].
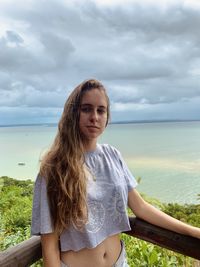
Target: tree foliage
[[15, 219]]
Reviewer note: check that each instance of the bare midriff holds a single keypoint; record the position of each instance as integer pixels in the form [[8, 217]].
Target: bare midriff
[[104, 255]]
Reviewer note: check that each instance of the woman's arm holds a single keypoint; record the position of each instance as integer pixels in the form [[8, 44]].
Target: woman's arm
[[149, 213], [50, 250]]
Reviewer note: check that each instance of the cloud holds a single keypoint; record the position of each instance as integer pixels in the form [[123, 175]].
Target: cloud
[[13, 37], [147, 53]]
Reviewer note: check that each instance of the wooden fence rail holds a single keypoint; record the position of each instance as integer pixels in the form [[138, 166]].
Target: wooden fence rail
[[186, 245], [29, 251]]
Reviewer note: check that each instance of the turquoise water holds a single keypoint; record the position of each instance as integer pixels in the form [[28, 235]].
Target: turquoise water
[[165, 155]]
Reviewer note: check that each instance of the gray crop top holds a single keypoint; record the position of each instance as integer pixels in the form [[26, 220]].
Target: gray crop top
[[107, 201]]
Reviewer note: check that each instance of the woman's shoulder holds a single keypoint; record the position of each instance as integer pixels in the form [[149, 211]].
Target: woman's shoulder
[[109, 149], [40, 181]]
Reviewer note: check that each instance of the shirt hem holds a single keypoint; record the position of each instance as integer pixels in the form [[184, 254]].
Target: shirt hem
[[64, 249]]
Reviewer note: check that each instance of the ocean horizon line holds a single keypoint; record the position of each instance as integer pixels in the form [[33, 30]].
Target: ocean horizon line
[[52, 124]]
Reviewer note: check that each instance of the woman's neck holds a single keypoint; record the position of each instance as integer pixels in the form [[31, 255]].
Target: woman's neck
[[90, 146]]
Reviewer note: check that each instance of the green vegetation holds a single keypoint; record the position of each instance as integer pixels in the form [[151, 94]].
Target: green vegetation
[[15, 211], [15, 219]]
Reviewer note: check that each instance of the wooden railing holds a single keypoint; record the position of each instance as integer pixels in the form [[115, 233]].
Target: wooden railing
[[29, 251]]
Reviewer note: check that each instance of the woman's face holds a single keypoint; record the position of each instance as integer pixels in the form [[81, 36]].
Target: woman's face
[[93, 114]]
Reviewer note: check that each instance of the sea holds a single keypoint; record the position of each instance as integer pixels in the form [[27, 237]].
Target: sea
[[165, 156]]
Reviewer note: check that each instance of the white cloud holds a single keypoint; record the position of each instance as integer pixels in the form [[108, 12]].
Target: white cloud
[[147, 53]]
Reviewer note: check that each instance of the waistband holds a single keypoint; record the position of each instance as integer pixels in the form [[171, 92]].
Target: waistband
[[121, 261]]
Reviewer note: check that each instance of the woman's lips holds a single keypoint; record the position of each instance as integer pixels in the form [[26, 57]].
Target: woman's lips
[[93, 127]]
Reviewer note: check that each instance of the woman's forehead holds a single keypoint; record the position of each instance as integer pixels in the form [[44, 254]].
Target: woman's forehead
[[94, 97]]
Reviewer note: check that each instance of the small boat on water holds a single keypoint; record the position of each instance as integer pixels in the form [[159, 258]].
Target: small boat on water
[[21, 163]]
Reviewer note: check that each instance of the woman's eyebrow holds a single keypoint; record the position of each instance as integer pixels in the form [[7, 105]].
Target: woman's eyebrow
[[90, 105], [86, 104]]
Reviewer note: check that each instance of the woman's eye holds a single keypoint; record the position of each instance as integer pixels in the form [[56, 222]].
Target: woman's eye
[[90, 109], [86, 109], [101, 111]]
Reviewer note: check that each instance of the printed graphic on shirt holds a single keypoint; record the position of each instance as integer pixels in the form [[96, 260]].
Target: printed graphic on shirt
[[96, 216], [116, 207]]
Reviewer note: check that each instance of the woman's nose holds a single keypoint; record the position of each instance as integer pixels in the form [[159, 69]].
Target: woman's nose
[[94, 115]]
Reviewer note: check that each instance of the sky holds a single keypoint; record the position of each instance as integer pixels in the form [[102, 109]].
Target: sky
[[146, 54]]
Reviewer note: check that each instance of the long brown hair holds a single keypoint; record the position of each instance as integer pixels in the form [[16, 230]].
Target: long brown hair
[[63, 164]]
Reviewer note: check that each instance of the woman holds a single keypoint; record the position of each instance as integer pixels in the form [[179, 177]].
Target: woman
[[83, 188]]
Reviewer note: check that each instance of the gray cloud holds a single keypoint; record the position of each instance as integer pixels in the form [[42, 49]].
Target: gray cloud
[[13, 37], [147, 55]]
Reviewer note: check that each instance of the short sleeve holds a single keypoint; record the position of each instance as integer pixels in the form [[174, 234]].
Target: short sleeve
[[41, 218], [130, 179]]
